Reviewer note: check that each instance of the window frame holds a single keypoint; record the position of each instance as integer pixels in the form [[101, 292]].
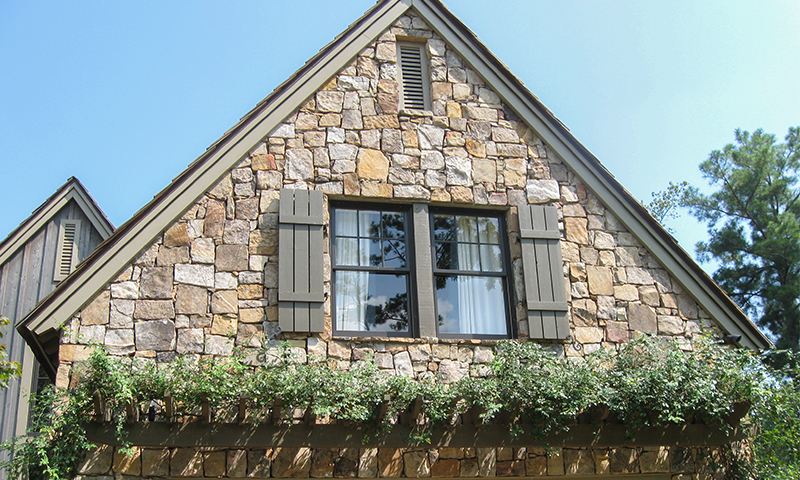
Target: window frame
[[422, 269], [505, 258], [413, 323]]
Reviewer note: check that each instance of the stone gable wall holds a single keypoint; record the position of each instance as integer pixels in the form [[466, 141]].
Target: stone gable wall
[[208, 284]]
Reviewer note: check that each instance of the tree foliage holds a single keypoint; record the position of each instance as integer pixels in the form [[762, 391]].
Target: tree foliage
[[8, 369], [753, 222]]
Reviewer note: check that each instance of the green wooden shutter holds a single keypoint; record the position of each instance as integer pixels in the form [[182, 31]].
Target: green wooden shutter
[[300, 284], [544, 275]]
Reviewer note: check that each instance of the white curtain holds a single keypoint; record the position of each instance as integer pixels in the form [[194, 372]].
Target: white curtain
[[478, 297], [352, 288]]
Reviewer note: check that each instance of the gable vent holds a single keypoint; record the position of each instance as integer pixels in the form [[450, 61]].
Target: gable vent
[[414, 77], [67, 252]]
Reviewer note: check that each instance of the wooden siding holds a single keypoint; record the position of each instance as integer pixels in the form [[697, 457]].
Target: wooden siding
[[26, 277]]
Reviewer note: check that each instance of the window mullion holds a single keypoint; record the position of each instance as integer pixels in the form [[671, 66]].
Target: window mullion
[[423, 267]]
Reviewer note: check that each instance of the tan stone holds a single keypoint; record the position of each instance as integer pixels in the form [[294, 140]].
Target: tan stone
[[215, 219], [536, 466], [224, 325], [602, 464], [231, 258], [236, 463], [155, 462], [446, 468], [368, 463], [186, 462], [177, 236], [475, 148], [263, 162], [416, 464], [191, 300], [97, 461], [292, 463], [251, 315], [250, 291], [617, 332], [627, 293], [461, 194], [259, 463], [128, 464], [585, 335], [652, 461], [96, 313], [376, 189], [390, 462], [372, 164], [453, 110], [601, 280], [487, 461], [578, 462], [484, 170], [74, 353], [380, 122], [264, 242], [214, 464], [555, 463], [642, 318], [576, 230]]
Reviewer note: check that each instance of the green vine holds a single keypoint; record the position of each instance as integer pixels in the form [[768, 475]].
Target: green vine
[[651, 382]]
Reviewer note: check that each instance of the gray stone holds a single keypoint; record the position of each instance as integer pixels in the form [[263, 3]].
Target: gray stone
[[97, 312], [342, 151], [236, 232], [430, 137], [202, 250], [191, 300], [284, 130], [347, 82], [670, 325], [119, 337], [432, 159], [416, 464], [219, 345], [402, 364], [642, 318], [153, 309], [190, 340], [542, 191], [156, 282], [92, 334], [299, 164], [451, 371], [158, 335], [232, 258], [329, 101], [129, 290], [201, 275], [459, 171]]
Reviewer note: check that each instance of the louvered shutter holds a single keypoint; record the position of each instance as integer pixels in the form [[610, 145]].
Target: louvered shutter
[[544, 275], [67, 249], [414, 76], [300, 284]]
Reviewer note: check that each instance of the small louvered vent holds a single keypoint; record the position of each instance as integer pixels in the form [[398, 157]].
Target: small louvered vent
[[67, 251], [414, 76]]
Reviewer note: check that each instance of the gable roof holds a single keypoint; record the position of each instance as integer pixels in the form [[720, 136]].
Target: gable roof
[[168, 205], [73, 189]]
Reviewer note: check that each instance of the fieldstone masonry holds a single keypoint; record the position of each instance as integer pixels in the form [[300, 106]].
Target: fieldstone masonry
[[208, 284], [383, 462]]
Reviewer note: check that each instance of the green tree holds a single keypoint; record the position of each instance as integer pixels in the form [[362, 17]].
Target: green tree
[[753, 222], [8, 369]]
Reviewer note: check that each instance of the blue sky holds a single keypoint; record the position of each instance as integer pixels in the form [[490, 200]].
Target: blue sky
[[124, 95]]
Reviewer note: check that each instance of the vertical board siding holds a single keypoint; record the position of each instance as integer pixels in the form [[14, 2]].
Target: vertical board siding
[[300, 246], [545, 292], [25, 279]]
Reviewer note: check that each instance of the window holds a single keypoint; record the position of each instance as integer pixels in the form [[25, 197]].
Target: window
[[371, 271], [413, 73], [460, 256], [470, 275]]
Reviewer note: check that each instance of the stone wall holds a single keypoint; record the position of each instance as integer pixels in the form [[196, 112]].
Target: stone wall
[[209, 282], [682, 462]]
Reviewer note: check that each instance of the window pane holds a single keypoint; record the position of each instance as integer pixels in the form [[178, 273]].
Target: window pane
[[370, 252], [470, 305], [346, 222], [491, 258], [447, 256], [394, 253], [374, 302], [394, 225], [369, 223], [467, 228], [346, 251], [469, 257], [444, 228], [489, 230]]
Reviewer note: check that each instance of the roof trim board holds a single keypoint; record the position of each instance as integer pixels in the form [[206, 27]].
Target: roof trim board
[[73, 189], [167, 206]]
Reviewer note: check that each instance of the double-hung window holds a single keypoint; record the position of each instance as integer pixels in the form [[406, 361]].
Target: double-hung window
[[373, 281], [470, 275], [371, 271]]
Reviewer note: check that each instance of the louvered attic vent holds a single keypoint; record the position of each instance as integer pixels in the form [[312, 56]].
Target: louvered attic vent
[[414, 76], [67, 252]]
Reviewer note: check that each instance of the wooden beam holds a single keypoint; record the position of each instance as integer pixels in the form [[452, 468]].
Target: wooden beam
[[193, 434]]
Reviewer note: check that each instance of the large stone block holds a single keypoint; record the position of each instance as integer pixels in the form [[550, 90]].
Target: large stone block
[[156, 282], [155, 462], [190, 300], [153, 309], [190, 340], [416, 464], [292, 463], [390, 462], [642, 318], [225, 301], [129, 463], [186, 462], [232, 258], [542, 191], [158, 335], [176, 236], [601, 281], [96, 313], [201, 275], [372, 165], [97, 461]]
